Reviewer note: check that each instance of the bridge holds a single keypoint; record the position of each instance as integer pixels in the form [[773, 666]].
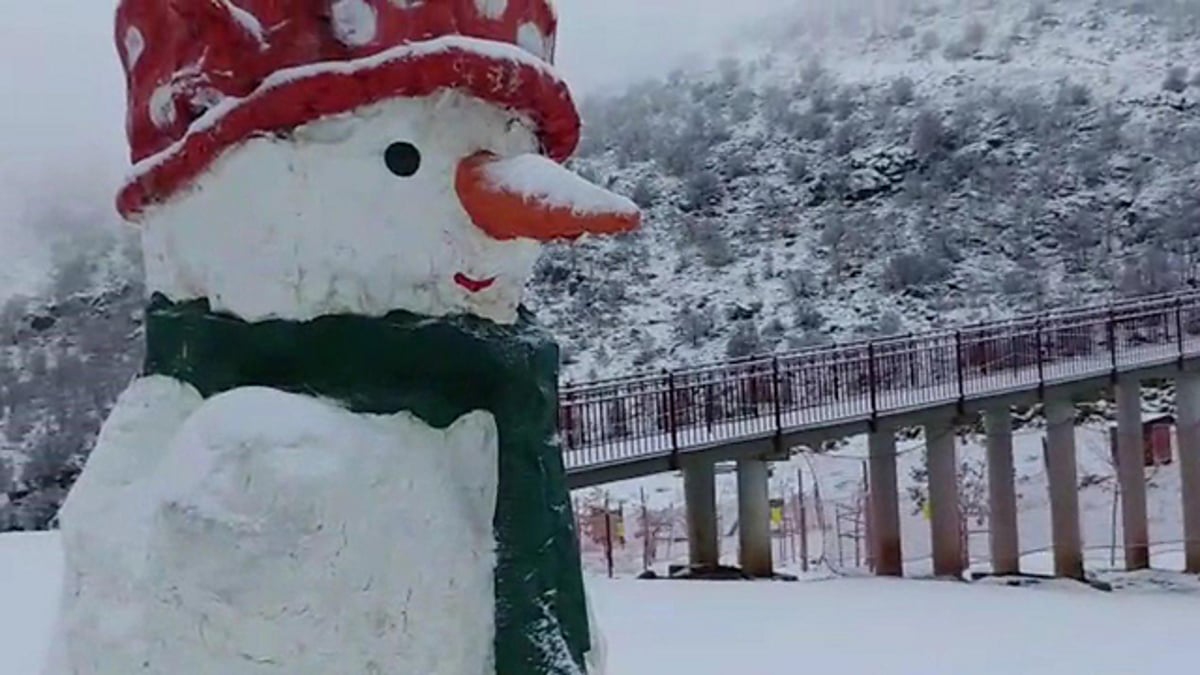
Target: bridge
[[759, 409]]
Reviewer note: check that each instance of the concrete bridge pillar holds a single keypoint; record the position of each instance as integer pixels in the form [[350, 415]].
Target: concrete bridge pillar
[[700, 493], [1064, 488], [884, 504], [1187, 405], [754, 519], [1002, 492], [945, 521], [1131, 474]]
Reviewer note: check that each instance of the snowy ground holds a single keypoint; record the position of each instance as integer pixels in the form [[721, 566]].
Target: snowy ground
[[894, 627], [30, 565], [919, 627]]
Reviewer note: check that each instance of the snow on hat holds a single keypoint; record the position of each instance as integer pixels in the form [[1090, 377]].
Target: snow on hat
[[205, 75]]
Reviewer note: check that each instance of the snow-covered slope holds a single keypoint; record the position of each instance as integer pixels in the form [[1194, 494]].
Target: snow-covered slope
[[64, 357], [860, 172]]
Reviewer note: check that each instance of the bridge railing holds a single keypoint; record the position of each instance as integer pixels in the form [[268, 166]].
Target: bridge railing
[[667, 413]]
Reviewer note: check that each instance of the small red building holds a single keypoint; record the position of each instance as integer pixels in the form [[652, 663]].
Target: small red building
[[1156, 440], [1156, 435]]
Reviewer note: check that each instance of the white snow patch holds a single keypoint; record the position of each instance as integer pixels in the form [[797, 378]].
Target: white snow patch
[[162, 106], [247, 21], [355, 22], [190, 81], [492, 9], [332, 231], [545, 181], [205, 98], [892, 627], [30, 581], [597, 656], [532, 40], [135, 46], [273, 533]]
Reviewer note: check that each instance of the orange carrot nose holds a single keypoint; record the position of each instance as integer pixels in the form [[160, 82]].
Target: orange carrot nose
[[531, 197]]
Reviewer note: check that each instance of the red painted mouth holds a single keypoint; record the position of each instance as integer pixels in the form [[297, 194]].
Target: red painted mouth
[[473, 285]]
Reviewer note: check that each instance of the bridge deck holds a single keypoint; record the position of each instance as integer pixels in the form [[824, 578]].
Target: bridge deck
[[638, 425]]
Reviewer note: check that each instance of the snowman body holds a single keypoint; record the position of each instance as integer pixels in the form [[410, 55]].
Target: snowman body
[[266, 532]]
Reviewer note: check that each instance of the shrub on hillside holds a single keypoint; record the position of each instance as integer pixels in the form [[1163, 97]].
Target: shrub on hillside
[[695, 327], [644, 193], [1176, 80], [844, 104], [808, 317], [969, 45], [846, 138], [701, 189], [930, 41], [1074, 94], [811, 126], [928, 138], [902, 91], [907, 271], [745, 341]]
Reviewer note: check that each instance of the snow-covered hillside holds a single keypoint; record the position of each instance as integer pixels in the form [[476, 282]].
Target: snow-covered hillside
[[858, 172], [64, 358]]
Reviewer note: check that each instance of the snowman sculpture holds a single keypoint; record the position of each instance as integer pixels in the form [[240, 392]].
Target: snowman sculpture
[[341, 458]]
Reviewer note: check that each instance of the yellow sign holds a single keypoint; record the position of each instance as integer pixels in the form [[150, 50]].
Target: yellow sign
[[777, 512]]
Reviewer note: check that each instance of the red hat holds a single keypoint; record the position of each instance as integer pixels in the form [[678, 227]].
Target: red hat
[[205, 75]]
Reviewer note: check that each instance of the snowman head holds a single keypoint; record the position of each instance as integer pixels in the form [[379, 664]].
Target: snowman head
[[328, 156], [435, 205]]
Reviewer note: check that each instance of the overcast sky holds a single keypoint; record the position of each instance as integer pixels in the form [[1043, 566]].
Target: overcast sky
[[62, 94]]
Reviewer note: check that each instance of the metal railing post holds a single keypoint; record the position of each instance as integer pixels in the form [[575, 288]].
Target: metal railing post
[[960, 367], [710, 407], [1179, 330], [871, 376], [1041, 361], [776, 385], [837, 376], [1112, 342], [1014, 342], [672, 423], [566, 418], [912, 361]]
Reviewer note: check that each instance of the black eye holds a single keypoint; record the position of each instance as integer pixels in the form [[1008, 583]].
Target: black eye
[[403, 159]]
